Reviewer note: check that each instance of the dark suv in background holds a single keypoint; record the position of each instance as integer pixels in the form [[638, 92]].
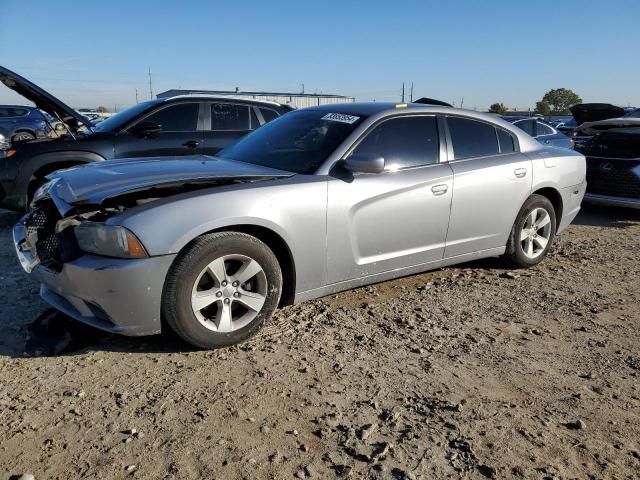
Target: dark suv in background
[[184, 125], [23, 123]]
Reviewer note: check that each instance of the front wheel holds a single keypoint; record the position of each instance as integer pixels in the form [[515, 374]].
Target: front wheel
[[222, 289], [532, 233]]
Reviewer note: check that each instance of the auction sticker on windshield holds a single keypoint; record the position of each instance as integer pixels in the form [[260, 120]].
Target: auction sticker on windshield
[[341, 117]]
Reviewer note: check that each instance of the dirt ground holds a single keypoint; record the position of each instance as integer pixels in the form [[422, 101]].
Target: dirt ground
[[472, 372]]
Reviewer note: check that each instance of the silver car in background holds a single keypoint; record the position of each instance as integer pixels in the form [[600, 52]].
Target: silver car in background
[[318, 201]]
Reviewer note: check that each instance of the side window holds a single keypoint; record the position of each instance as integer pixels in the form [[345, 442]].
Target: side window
[[404, 142], [229, 116], [268, 114], [507, 145], [526, 125], [4, 112], [544, 129], [471, 138], [18, 112], [176, 118]]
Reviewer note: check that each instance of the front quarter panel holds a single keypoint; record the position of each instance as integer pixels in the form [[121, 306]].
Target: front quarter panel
[[294, 208]]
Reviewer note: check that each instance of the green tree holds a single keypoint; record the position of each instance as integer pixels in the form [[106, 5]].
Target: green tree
[[561, 100], [499, 108], [543, 108]]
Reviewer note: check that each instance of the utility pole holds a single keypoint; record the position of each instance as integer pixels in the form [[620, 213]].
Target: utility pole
[[411, 92], [150, 87], [302, 88], [137, 95], [461, 102], [402, 92]]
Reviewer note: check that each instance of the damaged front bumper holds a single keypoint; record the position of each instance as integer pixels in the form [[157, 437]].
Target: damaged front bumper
[[114, 295]]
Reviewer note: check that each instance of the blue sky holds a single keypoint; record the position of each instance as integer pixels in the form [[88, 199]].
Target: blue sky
[[97, 52]]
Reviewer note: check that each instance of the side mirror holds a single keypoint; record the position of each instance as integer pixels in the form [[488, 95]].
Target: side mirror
[[146, 129], [364, 163]]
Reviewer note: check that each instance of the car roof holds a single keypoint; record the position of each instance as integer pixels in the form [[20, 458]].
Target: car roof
[[203, 97], [29, 107], [372, 108]]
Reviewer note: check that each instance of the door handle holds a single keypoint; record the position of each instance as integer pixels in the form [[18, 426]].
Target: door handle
[[439, 189], [520, 172], [191, 144]]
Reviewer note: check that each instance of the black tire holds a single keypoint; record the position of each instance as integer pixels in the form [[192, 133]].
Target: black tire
[[23, 137], [187, 268], [34, 184], [515, 253]]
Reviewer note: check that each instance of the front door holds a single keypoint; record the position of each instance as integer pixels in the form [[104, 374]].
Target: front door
[[179, 136], [397, 218]]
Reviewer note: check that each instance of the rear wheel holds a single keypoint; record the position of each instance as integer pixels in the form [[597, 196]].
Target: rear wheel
[[532, 233], [222, 289], [23, 137]]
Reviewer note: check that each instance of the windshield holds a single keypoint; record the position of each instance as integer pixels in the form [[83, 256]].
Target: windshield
[[117, 121], [299, 141]]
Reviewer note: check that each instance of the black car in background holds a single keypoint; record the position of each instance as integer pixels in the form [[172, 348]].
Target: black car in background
[[184, 125], [612, 149]]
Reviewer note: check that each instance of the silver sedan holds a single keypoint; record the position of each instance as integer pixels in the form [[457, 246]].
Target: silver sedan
[[318, 201]]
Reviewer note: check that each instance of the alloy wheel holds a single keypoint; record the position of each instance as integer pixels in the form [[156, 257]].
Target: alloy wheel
[[229, 293], [535, 233]]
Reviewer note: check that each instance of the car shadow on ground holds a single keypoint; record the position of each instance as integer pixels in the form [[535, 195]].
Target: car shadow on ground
[[54, 334], [604, 216]]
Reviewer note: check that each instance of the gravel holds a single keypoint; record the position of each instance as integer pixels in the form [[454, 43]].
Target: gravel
[[471, 372]]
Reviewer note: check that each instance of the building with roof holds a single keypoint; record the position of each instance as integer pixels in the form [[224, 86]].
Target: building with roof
[[298, 100]]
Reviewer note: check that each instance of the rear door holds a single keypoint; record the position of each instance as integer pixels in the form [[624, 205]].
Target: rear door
[[491, 181], [181, 133], [378, 222]]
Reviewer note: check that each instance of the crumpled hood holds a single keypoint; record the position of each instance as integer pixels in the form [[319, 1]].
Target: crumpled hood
[[97, 182], [593, 112]]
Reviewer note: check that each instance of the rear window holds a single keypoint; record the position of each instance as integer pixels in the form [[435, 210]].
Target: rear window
[[544, 129], [471, 138], [268, 114], [229, 116], [526, 125]]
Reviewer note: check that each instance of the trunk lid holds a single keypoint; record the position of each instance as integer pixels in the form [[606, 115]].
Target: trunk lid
[[593, 112]]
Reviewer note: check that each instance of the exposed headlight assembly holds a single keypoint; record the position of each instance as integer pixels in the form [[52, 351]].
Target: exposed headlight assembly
[[108, 241], [43, 190]]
